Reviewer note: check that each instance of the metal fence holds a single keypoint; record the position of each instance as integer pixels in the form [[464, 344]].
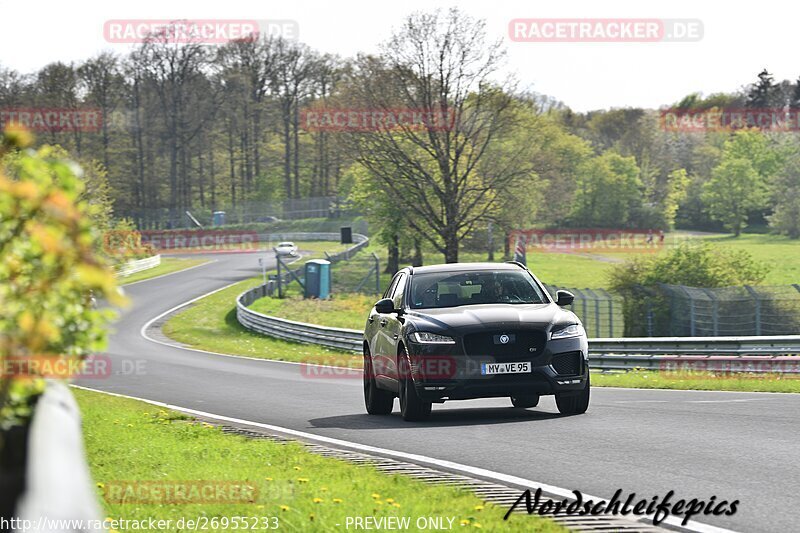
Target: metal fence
[[599, 310], [331, 207], [360, 276], [746, 310], [681, 311]]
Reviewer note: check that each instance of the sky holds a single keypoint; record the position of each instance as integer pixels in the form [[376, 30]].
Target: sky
[[735, 46]]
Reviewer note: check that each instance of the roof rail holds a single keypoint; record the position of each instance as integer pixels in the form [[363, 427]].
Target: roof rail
[[518, 264]]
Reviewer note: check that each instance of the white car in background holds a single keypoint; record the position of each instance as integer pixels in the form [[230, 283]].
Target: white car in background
[[286, 248]]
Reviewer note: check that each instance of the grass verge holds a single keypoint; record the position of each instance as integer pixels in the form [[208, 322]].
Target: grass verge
[[698, 381], [130, 441], [210, 324], [168, 266]]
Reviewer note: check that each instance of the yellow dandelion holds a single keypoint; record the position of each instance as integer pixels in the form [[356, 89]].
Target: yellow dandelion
[[130, 425], [324, 489], [395, 504], [337, 500], [284, 507], [317, 500], [477, 525], [311, 517], [378, 502], [268, 478], [376, 495], [479, 508], [389, 500], [100, 485], [465, 522], [297, 468], [302, 480]]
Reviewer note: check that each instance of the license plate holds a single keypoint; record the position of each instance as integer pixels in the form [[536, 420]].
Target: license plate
[[505, 368]]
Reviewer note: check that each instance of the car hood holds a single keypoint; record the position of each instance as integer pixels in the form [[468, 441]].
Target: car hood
[[495, 315]]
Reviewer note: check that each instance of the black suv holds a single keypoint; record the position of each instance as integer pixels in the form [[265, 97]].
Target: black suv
[[472, 330]]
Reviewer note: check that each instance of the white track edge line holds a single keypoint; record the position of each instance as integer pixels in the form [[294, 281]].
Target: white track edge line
[[415, 458]]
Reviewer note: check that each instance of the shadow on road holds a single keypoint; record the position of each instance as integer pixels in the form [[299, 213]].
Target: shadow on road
[[481, 416]]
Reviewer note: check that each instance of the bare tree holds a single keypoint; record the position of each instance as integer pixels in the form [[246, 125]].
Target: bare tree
[[445, 178], [103, 82]]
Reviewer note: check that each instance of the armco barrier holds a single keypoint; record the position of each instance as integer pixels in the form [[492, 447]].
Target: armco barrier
[[131, 267], [723, 354]]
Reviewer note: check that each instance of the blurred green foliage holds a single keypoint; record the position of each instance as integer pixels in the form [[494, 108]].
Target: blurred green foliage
[[50, 271]]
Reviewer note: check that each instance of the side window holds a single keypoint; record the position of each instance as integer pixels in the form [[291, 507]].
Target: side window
[[390, 291], [399, 289]]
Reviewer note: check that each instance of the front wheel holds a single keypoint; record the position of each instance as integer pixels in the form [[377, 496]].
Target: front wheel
[[574, 403], [523, 402], [412, 407], [377, 401]]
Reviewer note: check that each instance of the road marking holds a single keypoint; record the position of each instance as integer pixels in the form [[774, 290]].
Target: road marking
[[411, 457]]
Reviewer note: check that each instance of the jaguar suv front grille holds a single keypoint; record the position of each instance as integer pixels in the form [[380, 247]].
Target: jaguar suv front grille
[[506, 344]]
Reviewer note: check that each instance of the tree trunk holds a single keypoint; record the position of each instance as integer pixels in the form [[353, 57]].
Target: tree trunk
[[451, 247], [416, 260], [393, 259]]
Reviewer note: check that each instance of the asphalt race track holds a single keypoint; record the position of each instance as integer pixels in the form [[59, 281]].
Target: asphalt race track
[[743, 446]]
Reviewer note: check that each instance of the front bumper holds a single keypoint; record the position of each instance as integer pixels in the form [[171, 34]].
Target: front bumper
[[444, 372]]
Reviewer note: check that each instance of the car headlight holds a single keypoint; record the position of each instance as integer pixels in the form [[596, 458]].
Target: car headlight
[[423, 337], [573, 330]]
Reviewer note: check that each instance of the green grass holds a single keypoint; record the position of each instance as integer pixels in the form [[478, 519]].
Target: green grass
[[132, 441], [168, 265], [564, 270], [780, 253], [210, 324], [341, 311], [698, 381]]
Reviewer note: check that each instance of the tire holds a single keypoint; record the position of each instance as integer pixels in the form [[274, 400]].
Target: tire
[[523, 402], [571, 403], [377, 401], [412, 407]]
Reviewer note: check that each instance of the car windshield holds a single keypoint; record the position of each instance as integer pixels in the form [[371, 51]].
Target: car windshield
[[451, 289], [285, 244]]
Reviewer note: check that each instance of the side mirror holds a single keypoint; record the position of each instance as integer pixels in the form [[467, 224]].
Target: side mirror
[[385, 306], [564, 298]]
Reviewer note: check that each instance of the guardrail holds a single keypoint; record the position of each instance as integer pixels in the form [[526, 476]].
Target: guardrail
[[58, 485], [341, 339], [723, 354], [131, 267]]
